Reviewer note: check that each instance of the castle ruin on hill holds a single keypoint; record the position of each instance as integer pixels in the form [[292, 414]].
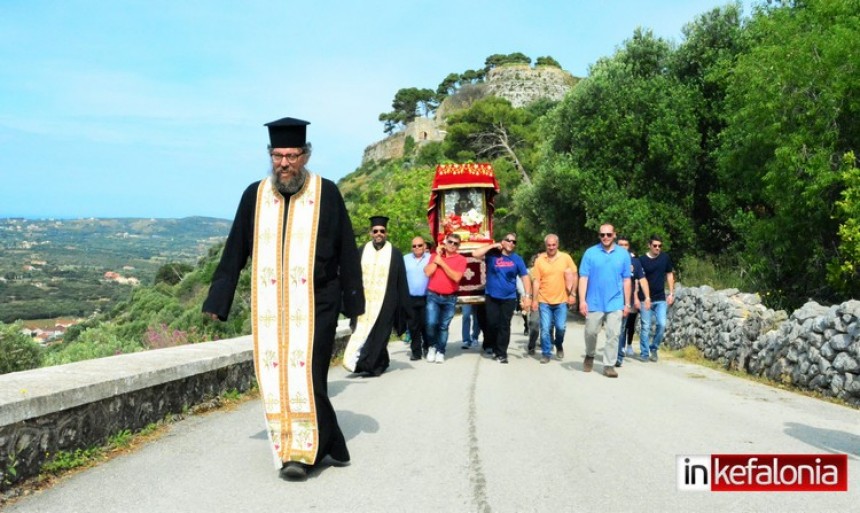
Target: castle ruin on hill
[[520, 84]]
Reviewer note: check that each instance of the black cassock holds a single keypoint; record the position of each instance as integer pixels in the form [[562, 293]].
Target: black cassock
[[337, 289], [393, 315]]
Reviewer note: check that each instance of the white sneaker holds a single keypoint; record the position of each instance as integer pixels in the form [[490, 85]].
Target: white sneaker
[[431, 355], [440, 357]]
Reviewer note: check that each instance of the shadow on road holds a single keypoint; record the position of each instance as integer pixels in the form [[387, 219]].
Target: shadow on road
[[353, 424], [837, 442]]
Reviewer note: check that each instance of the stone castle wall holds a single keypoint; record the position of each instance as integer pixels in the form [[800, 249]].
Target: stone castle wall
[[422, 131], [522, 85]]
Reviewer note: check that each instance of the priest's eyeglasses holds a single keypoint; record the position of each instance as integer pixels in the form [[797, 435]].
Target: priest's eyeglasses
[[292, 158]]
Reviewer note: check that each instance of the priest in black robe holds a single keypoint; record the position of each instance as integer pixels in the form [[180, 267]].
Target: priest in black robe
[[302, 424], [388, 303]]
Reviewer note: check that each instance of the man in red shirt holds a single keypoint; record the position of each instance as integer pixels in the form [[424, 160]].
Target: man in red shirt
[[445, 271]]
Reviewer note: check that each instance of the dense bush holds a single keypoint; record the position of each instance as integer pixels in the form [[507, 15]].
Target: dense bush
[[92, 343], [717, 272], [17, 351], [172, 273]]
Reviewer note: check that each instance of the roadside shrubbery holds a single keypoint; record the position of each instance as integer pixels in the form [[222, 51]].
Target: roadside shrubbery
[[18, 351], [159, 316]]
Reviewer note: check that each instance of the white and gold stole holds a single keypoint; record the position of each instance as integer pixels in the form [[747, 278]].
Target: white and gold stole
[[282, 309], [374, 275]]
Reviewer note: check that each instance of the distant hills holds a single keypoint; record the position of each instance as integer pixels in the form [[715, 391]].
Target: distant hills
[[73, 267]]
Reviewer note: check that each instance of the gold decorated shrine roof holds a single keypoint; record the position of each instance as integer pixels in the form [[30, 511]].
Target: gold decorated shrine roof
[[471, 174]]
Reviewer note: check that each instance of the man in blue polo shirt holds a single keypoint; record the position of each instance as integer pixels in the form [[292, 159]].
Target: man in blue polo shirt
[[503, 267], [604, 285]]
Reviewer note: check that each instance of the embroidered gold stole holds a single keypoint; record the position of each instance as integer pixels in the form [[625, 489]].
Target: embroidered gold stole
[[282, 309], [374, 275]]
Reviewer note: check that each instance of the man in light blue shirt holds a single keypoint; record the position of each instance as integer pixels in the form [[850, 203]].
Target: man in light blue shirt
[[604, 286], [415, 263]]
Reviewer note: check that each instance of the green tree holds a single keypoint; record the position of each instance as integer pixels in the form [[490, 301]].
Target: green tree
[[704, 62], [553, 205], [496, 60], [793, 126], [430, 154], [844, 269], [490, 129], [627, 138], [406, 106], [172, 273], [471, 76], [401, 194], [547, 61], [448, 85], [18, 352]]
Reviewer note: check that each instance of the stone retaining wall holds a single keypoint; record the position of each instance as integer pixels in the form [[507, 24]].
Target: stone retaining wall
[[82, 404], [816, 348]]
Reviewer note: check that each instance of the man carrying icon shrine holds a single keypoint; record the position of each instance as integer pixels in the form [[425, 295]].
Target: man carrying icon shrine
[[388, 303], [305, 271]]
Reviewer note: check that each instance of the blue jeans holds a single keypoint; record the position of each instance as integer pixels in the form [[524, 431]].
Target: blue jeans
[[628, 329], [440, 311], [470, 324], [552, 316], [658, 312]]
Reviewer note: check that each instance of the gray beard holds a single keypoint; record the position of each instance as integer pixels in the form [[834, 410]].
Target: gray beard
[[292, 185]]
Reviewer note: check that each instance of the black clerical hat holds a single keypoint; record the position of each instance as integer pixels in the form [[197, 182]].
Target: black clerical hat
[[287, 133], [379, 221]]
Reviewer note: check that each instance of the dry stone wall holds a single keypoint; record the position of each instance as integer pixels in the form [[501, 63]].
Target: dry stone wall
[[815, 348]]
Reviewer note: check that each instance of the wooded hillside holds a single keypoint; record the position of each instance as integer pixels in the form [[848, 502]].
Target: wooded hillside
[[737, 145]]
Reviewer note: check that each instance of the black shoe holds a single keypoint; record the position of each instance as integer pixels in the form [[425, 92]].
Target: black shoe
[[414, 357], [294, 471], [502, 359], [336, 462], [531, 350]]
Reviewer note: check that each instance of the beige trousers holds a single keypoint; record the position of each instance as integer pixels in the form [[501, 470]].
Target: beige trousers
[[611, 321]]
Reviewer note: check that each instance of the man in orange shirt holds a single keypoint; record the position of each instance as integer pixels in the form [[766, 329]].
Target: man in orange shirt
[[554, 282]]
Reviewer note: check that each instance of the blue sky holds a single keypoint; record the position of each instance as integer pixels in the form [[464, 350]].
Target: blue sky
[[155, 108]]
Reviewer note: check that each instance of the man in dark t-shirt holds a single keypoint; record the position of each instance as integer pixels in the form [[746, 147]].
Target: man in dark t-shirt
[[658, 271], [503, 268]]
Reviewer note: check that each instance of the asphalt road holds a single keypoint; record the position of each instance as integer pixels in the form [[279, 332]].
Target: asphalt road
[[475, 435]]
